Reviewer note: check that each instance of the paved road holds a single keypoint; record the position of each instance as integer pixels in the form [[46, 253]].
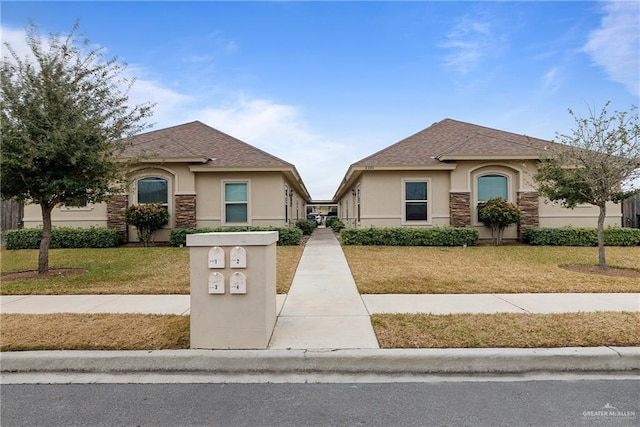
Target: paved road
[[484, 402]]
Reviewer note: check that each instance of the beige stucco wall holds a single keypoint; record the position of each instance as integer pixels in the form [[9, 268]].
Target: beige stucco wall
[[381, 197], [266, 199], [554, 215], [87, 216]]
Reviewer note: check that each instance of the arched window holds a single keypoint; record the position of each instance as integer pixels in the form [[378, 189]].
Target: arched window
[[490, 186], [153, 190]]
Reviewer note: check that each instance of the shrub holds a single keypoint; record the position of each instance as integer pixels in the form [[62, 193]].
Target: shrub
[[64, 238], [581, 236], [432, 236], [307, 226], [336, 225], [147, 219], [287, 236], [498, 214]]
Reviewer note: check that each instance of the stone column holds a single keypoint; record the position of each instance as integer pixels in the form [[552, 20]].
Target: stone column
[[185, 211], [460, 209], [115, 213], [528, 203]]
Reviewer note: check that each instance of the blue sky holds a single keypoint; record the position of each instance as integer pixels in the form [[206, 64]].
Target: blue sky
[[324, 84]]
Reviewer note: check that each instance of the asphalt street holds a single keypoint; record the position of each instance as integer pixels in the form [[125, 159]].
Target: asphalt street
[[481, 402]]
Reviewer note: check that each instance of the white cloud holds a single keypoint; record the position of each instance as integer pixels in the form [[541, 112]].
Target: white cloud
[[276, 128], [470, 41], [615, 46], [552, 80], [280, 130], [16, 39]]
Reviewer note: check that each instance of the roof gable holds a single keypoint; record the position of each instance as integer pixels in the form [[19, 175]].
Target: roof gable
[[197, 141], [451, 139]]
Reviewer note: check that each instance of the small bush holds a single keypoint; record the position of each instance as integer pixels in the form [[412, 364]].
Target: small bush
[[287, 236], [336, 225], [147, 219], [432, 236], [307, 226], [498, 214], [64, 238], [581, 236]]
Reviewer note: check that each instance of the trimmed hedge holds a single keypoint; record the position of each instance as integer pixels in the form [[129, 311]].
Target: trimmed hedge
[[581, 236], [433, 236], [287, 236], [335, 224], [64, 238], [307, 226]]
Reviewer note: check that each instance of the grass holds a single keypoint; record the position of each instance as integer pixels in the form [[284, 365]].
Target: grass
[[157, 270], [486, 269], [21, 332], [93, 332], [507, 330]]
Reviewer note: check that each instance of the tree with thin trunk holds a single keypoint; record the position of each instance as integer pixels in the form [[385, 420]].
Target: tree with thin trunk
[[65, 117], [593, 164]]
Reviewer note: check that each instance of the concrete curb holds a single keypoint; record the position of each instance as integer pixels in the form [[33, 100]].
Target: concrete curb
[[374, 361]]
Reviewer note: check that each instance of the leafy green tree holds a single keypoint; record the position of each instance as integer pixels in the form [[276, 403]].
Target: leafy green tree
[[595, 160], [64, 115], [498, 214], [147, 219]]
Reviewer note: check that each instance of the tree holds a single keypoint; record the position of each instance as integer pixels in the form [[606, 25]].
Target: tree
[[498, 214], [594, 161], [147, 219], [64, 118]]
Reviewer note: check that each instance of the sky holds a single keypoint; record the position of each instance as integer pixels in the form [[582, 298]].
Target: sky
[[325, 84]]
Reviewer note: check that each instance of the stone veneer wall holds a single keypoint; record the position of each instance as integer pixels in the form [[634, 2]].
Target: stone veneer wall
[[528, 203], [115, 213], [185, 209], [460, 209]]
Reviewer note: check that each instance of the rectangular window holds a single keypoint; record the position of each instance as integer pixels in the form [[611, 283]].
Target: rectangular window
[[490, 186], [153, 190], [415, 201], [236, 202]]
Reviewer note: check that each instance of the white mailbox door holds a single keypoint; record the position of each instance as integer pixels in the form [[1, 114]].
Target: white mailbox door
[[216, 283], [238, 257], [238, 283], [216, 257]]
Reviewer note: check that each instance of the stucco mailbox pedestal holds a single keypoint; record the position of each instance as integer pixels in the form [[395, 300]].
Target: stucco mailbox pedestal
[[233, 289]]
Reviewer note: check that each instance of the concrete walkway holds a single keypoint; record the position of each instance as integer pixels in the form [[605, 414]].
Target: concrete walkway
[[323, 308]]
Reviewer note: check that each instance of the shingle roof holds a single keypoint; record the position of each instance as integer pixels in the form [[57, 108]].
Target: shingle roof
[[197, 140], [450, 139]]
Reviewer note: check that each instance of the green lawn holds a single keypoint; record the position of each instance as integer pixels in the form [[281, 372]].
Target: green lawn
[[157, 270]]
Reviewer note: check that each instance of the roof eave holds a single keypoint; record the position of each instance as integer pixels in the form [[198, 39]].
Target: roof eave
[[454, 157], [167, 159]]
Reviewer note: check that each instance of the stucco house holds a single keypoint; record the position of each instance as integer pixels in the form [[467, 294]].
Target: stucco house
[[438, 176], [204, 177]]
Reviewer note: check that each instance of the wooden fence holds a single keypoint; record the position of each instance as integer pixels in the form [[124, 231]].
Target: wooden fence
[[631, 212], [11, 213]]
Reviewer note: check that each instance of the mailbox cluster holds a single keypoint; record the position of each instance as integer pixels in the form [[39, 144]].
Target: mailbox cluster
[[237, 280]]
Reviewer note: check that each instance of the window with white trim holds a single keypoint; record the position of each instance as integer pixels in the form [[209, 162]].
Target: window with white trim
[[236, 202], [415, 203]]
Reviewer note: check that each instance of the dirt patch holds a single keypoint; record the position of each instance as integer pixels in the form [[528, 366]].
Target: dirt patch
[[33, 274], [592, 269]]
